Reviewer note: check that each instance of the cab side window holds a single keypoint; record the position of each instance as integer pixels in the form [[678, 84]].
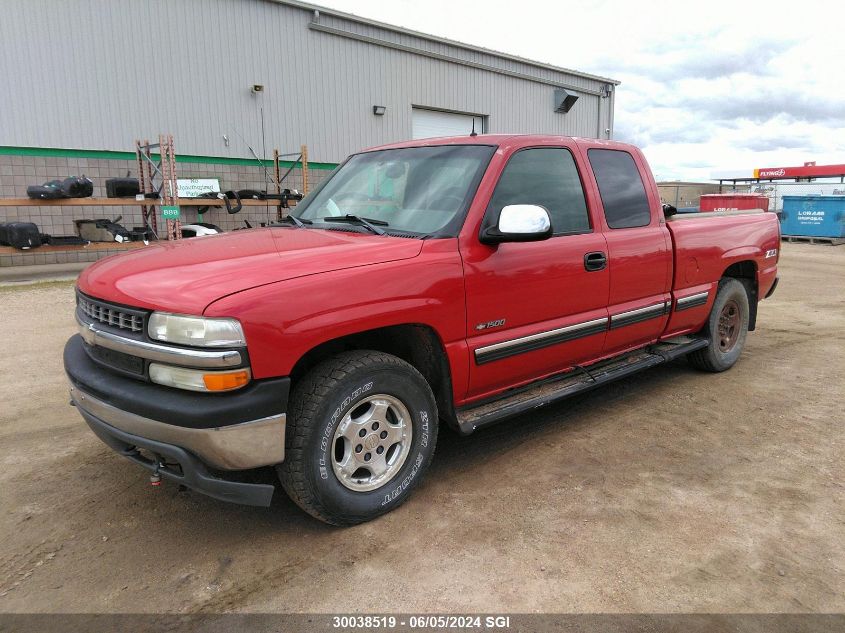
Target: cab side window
[[547, 177], [621, 188]]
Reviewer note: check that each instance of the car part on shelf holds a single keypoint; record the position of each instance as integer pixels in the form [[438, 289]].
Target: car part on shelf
[[21, 235], [103, 230], [200, 229], [122, 187]]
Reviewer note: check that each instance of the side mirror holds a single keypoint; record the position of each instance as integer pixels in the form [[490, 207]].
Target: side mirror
[[519, 223], [668, 210]]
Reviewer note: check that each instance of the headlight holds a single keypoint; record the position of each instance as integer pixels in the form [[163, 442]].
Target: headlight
[[197, 379], [195, 331]]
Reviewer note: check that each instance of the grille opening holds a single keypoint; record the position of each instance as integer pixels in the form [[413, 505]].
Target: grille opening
[[111, 316]]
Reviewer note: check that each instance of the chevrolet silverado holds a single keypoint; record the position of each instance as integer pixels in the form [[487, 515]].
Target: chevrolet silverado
[[463, 280]]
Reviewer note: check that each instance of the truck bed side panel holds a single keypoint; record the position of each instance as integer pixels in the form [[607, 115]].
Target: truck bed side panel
[[705, 246]]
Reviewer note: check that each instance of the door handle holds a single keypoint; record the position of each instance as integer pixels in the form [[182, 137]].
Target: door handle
[[594, 261]]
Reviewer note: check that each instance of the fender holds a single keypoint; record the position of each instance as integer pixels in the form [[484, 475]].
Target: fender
[[746, 268], [741, 253], [284, 320]]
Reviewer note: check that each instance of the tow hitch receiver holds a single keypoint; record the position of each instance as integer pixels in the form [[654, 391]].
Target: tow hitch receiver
[[155, 478]]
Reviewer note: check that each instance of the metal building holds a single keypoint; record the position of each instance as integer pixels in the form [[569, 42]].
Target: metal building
[[85, 75], [233, 79]]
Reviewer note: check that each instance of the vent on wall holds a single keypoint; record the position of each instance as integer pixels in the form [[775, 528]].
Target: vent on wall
[[564, 100]]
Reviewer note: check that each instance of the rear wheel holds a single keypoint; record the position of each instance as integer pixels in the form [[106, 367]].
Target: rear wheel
[[360, 434], [727, 327]]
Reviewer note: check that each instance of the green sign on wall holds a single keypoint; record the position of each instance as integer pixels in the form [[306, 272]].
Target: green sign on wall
[[170, 213]]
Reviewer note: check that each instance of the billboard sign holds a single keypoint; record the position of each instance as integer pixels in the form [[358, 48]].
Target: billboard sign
[[808, 171]]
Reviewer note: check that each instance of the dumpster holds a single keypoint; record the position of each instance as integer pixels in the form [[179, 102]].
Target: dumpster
[[733, 202], [814, 216]]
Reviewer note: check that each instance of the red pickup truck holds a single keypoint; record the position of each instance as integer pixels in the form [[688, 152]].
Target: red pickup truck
[[459, 279]]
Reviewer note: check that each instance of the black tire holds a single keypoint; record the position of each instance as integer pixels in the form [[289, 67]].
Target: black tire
[[726, 344], [343, 385]]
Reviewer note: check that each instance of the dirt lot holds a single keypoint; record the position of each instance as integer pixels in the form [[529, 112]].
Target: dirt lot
[[674, 491]]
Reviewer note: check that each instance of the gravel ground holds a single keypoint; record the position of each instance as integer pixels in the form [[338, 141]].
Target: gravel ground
[[673, 491]]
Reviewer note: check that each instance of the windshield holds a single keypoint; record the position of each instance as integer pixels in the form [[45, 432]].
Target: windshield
[[423, 190]]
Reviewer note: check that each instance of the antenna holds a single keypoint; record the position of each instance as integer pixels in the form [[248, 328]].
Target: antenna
[[252, 151], [473, 133]]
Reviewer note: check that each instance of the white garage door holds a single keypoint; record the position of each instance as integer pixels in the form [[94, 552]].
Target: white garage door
[[430, 123]]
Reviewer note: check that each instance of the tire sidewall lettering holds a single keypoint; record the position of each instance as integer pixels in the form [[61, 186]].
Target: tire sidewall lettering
[[421, 442], [424, 427], [393, 494], [398, 490], [328, 431]]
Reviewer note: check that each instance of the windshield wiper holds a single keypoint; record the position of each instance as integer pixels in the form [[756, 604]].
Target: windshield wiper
[[296, 220], [369, 223]]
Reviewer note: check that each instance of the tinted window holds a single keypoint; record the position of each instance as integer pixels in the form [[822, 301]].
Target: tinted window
[[621, 188], [547, 177]]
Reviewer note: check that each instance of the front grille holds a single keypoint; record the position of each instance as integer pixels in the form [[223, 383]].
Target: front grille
[[113, 316]]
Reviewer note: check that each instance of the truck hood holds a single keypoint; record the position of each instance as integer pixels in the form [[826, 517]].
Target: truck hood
[[185, 276]]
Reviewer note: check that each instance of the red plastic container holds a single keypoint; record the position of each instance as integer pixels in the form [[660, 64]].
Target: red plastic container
[[733, 201]]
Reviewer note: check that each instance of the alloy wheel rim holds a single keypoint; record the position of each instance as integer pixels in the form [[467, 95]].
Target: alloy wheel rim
[[371, 442]]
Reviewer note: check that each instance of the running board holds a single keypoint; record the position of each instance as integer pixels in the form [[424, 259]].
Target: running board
[[576, 381]]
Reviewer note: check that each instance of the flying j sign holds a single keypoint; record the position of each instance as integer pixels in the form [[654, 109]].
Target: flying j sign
[[808, 171]]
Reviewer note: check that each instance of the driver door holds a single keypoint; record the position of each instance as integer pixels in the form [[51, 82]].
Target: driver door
[[534, 308]]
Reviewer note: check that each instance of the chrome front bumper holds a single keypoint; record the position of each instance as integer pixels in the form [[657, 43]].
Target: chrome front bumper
[[235, 447]]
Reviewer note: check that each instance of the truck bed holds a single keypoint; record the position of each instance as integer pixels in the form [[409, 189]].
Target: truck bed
[[706, 244]]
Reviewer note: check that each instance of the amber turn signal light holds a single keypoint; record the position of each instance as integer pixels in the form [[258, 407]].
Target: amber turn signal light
[[226, 381]]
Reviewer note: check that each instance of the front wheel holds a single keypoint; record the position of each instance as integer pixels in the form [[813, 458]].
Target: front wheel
[[727, 327], [360, 434]]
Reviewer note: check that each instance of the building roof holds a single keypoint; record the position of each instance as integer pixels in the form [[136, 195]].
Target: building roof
[[442, 40]]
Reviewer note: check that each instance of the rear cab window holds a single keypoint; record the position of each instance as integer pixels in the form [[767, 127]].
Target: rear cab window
[[621, 188], [545, 176]]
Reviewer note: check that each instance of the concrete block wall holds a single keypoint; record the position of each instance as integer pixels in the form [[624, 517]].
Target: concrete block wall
[[38, 256], [17, 172]]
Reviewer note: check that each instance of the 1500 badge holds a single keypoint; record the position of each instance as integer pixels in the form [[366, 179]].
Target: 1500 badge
[[490, 324]]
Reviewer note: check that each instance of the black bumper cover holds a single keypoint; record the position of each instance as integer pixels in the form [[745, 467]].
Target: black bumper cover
[[178, 465]]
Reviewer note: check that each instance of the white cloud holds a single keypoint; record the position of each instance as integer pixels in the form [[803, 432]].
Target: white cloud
[[706, 86]]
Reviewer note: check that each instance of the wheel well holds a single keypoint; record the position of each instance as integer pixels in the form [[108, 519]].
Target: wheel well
[[746, 272], [416, 344]]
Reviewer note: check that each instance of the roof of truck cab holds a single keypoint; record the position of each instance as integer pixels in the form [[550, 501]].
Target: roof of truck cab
[[502, 140]]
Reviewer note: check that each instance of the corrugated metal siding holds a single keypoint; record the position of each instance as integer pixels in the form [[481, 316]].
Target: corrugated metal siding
[[98, 75]]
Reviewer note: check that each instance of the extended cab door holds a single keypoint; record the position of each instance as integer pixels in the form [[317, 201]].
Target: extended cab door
[[639, 249], [535, 308]]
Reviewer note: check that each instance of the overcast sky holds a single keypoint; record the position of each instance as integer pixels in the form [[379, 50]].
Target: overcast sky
[[706, 86]]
